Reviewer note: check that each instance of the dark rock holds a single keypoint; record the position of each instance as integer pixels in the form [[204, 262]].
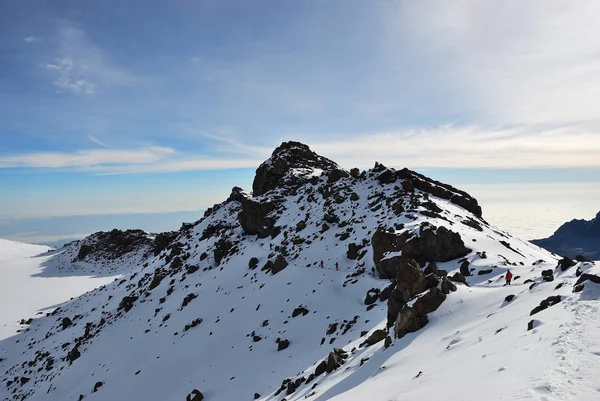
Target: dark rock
[[321, 368], [222, 249], [530, 325], [385, 293], [97, 386], [548, 275], [375, 337], [413, 318], [438, 245], [352, 252], [447, 286], [565, 263], [484, 271], [372, 296], [464, 268], [388, 342], [291, 388], [509, 298], [163, 240], [127, 303], [195, 395], [283, 344], [408, 276], [279, 264], [334, 360], [254, 218], [253, 263], [386, 177], [66, 322], [458, 278], [301, 310], [585, 277], [256, 396], [578, 287], [546, 303], [336, 175]]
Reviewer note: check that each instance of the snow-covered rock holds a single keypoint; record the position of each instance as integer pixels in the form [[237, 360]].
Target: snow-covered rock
[[282, 294]]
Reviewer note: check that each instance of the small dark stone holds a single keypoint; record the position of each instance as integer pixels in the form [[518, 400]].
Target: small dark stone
[[509, 298]]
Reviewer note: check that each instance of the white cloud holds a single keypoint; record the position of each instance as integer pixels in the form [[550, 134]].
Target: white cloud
[[509, 62], [96, 141], [81, 67], [440, 147], [469, 147], [31, 39], [86, 158]]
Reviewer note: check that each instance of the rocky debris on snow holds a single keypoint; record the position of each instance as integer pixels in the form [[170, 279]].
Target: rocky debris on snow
[[195, 395], [282, 344], [580, 284], [335, 359], [375, 337], [65, 323], [372, 296], [458, 278], [509, 298], [565, 263], [546, 303], [300, 310], [548, 275], [464, 268], [113, 244]]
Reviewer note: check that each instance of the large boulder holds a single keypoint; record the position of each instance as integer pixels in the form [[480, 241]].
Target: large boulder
[[384, 242], [289, 155], [254, 218], [435, 244], [413, 318]]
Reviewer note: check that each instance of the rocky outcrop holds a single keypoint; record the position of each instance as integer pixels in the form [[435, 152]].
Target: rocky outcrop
[[335, 359], [254, 218], [412, 179], [113, 244], [433, 245], [411, 319], [288, 155]]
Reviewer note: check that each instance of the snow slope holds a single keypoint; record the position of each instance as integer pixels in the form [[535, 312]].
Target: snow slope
[[213, 310], [28, 288]]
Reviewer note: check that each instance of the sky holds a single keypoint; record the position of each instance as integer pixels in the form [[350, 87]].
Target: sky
[[152, 109]]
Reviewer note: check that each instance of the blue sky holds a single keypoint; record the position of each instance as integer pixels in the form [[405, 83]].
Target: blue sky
[[113, 108]]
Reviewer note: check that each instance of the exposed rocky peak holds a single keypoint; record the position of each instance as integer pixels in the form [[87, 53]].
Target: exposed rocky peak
[[286, 157], [110, 245], [577, 237]]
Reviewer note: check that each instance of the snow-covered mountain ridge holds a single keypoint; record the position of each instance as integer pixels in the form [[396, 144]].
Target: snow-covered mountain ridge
[[408, 305]]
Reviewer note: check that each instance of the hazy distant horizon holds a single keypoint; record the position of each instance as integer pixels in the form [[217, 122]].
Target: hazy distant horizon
[[525, 210]]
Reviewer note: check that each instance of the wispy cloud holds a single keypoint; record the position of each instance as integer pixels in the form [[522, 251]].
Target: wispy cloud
[[87, 158], [470, 147], [97, 141], [81, 67], [31, 39], [441, 147]]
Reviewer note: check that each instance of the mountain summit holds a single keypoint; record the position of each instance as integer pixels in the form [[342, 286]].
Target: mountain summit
[[321, 284], [287, 159], [576, 237]]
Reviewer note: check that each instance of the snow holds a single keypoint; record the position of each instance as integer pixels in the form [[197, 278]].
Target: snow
[[26, 291], [475, 346]]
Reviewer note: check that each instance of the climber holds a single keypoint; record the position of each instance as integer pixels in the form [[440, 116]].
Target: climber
[[321, 264], [337, 265], [508, 277]]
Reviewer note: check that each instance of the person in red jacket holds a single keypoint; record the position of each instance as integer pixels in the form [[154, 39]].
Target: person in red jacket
[[508, 277]]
